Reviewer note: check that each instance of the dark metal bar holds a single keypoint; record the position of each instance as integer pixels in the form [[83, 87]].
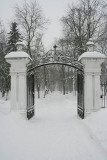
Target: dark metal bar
[[30, 96], [80, 94]]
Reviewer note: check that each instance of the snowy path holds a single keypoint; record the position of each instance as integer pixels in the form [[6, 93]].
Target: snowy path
[[55, 133]]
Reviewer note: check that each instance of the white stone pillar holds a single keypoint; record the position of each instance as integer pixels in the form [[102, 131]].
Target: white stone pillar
[[18, 69], [92, 61]]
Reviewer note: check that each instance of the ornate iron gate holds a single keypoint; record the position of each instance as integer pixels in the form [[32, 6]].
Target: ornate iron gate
[[80, 94], [50, 58], [30, 96]]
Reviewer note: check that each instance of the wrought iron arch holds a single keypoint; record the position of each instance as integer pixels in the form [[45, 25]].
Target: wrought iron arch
[[53, 57]]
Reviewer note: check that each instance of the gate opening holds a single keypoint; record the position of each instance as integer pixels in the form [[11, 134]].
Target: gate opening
[[54, 57]]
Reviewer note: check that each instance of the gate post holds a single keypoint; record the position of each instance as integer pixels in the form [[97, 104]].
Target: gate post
[[18, 61], [92, 61]]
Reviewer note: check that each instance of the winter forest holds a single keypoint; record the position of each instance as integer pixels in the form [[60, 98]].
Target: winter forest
[[87, 19]]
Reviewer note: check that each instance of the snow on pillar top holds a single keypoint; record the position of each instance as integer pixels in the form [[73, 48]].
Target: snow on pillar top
[[91, 54], [19, 53]]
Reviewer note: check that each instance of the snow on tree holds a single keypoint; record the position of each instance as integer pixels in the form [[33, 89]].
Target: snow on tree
[[4, 66]]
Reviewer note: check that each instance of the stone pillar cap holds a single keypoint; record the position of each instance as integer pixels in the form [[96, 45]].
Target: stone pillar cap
[[19, 53], [91, 53]]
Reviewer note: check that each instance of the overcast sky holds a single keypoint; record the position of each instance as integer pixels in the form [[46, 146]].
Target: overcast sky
[[52, 9]]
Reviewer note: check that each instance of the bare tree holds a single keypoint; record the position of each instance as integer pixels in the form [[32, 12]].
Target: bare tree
[[84, 21], [30, 18], [38, 47]]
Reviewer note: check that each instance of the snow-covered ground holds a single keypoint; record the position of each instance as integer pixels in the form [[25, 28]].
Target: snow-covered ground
[[55, 133]]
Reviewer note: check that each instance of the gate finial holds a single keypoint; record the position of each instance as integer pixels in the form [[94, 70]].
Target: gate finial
[[20, 46], [55, 46], [90, 45]]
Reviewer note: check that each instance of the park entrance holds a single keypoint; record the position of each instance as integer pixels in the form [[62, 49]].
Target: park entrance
[[88, 69], [53, 57]]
